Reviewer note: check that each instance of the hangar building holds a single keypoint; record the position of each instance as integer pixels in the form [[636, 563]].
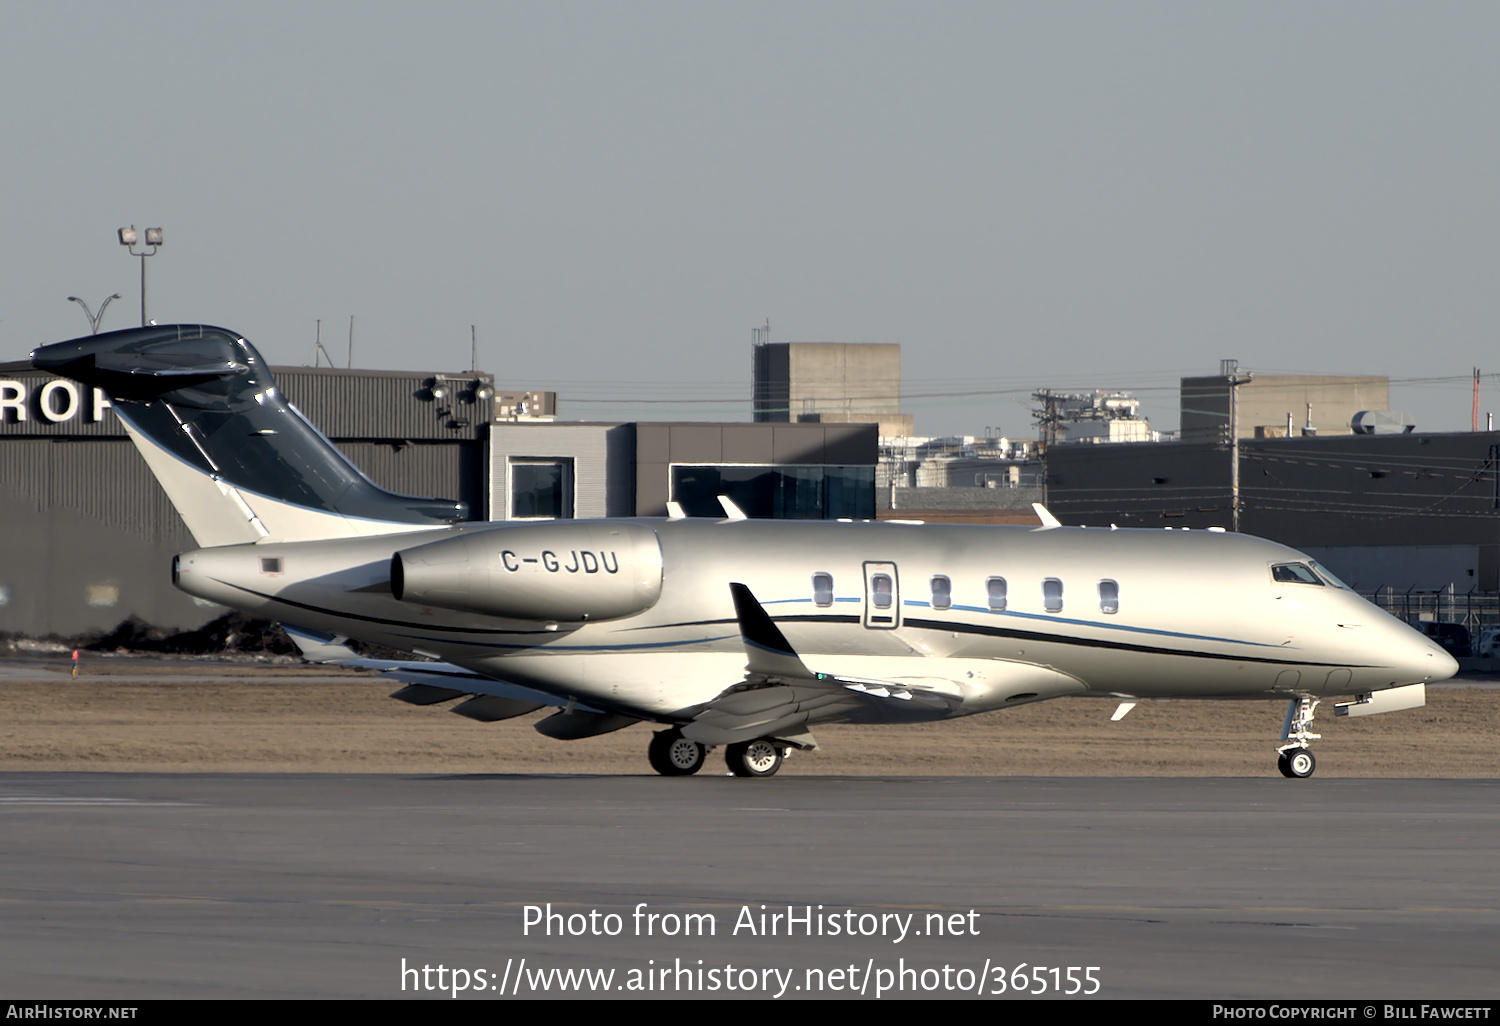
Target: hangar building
[[89, 535]]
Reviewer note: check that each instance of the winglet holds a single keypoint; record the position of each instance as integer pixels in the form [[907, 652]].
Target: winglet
[[1042, 514], [769, 652]]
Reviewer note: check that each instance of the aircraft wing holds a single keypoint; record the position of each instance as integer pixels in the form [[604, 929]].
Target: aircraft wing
[[331, 649], [780, 695], [433, 683]]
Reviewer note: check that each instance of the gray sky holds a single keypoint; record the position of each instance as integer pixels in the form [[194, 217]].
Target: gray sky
[[1021, 194]]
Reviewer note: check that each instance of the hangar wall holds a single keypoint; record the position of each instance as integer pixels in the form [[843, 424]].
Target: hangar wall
[[89, 535]]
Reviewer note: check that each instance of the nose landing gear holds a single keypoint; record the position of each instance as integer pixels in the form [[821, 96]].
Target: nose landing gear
[[1295, 759]]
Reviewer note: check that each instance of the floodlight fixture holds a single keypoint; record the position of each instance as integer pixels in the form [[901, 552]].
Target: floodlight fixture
[[128, 238]]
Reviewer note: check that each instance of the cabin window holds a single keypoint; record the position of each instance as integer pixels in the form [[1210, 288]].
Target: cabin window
[[942, 593], [1294, 573], [822, 589], [1052, 595], [881, 591], [1109, 596], [994, 588], [270, 564]]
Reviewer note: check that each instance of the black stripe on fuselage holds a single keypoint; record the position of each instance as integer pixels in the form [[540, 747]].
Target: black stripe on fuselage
[[341, 614], [953, 627], [805, 618], [958, 627], [1119, 646]]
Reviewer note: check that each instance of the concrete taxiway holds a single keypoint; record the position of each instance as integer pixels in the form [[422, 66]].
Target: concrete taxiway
[[137, 886]]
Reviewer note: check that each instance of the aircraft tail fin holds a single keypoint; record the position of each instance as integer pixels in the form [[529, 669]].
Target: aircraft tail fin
[[237, 460]]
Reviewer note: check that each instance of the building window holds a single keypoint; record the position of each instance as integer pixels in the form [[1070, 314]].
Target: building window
[[1109, 597], [942, 593], [822, 589], [541, 489], [1052, 595], [784, 493]]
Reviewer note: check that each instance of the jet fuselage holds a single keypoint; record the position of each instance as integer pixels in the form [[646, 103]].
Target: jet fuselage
[[975, 617]]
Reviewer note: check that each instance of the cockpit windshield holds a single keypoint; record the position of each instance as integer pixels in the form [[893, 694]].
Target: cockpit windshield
[[1322, 571], [1294, 573]]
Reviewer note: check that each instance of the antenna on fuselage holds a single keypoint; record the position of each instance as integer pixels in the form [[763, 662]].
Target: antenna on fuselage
[[1042, 514]]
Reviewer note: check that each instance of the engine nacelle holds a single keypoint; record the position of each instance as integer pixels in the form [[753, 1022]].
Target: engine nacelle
[[564, 571]]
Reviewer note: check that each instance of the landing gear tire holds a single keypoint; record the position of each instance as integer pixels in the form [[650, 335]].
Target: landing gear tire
[[673, 755], [758, 758], [1296, 763], [1296, 759]]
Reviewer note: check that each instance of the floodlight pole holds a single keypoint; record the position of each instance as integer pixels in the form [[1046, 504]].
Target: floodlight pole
[[1235, 381], [153, 239], [94, 318]]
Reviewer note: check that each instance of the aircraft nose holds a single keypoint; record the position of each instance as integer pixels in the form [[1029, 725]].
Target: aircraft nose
[[1423, 660], [1445, 665]]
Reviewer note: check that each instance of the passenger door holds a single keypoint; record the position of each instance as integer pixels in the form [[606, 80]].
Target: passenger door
[[882, 597]]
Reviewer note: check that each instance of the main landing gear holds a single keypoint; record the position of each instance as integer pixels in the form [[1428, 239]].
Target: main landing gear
[[673, 755], [758, 758], [1295, 759]]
